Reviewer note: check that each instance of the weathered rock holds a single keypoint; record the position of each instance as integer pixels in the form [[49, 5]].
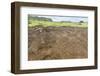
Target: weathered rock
[[57, 43]]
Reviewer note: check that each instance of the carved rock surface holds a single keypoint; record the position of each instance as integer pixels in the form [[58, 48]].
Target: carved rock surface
[[45, 43]]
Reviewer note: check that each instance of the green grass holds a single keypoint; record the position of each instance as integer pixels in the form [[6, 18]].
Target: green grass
[[33, 23]]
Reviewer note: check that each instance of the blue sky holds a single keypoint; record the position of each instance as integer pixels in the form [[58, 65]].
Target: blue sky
[[67, 18]]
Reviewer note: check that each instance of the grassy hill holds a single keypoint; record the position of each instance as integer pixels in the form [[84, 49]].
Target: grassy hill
[[45, 22], [33, 23]]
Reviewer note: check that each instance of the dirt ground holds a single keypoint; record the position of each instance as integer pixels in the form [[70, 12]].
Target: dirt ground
[[45, 43]]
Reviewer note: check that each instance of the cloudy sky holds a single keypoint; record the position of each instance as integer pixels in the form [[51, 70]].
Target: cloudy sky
[[66, 18]]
